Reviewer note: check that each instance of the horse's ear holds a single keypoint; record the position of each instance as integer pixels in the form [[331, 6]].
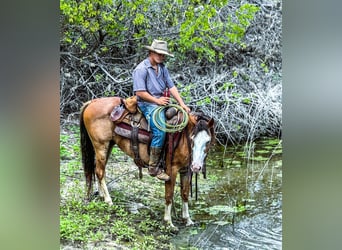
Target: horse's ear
[[211, 122], [193, 119], [212, 131]]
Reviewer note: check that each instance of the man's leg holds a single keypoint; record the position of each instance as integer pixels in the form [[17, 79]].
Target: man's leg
[[157, 143]]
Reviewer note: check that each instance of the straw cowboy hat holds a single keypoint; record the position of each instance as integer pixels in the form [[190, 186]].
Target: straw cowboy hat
[[159, 47]]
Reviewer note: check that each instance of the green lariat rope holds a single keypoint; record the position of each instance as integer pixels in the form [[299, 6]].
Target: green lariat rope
[[164, 126]]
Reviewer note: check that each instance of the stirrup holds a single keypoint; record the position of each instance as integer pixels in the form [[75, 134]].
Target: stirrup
[[153, 171], [163, 176]]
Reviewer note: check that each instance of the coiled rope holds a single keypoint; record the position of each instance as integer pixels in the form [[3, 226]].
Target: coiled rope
[[164, 126]]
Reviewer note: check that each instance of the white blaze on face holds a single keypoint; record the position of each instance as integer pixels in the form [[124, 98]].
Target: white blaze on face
[[198, 150]]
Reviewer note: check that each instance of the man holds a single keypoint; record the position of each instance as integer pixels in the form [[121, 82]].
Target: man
[[150, 81]]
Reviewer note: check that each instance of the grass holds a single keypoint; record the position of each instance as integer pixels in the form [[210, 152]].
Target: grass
[[83, 223]]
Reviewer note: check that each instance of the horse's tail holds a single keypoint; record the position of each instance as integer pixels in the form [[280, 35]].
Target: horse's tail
[[88, 153]]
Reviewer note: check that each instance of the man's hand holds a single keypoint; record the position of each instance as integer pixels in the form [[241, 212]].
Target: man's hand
[[186, 108], [176, 95], [163, 100]]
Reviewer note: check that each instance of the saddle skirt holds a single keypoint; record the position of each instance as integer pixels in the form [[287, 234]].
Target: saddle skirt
[[128, 121]]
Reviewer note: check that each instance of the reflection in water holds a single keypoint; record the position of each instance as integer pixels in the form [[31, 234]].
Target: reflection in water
[[255, 186]]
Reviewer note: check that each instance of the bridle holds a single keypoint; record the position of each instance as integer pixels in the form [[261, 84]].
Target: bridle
[[201, 124]]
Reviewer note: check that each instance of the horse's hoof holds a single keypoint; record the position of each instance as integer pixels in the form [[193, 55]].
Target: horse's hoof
[[110, 203], [189, 222], [173, 228]]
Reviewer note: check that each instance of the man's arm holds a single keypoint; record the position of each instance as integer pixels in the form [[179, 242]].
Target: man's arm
[[174, 92], [149, 98]]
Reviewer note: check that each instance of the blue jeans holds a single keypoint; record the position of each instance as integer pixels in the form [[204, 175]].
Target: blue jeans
[[158, 136]]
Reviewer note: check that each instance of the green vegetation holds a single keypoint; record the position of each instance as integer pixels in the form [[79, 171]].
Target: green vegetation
[[203, 29], [136, 218], [227, 57], [82, 222]]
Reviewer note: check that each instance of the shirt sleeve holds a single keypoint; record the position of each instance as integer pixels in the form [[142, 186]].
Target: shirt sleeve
[[139, 79], [168, 79]]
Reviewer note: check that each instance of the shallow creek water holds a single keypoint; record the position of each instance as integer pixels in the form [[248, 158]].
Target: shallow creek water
[[243, 209]]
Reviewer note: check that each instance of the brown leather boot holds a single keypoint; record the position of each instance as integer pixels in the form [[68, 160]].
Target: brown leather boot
[[153, 170]]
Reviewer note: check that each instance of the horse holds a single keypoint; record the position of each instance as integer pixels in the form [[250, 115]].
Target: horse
[[97, 138]]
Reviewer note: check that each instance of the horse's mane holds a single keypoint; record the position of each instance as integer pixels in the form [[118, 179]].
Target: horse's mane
[[202, 120], [201, 115]]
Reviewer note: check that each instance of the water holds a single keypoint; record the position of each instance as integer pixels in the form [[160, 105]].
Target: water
[[242, 207]]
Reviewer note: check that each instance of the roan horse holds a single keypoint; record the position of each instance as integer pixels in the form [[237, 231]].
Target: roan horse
[[98, 138]]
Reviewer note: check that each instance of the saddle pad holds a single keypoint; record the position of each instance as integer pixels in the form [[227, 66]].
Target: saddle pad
[[125, 130]]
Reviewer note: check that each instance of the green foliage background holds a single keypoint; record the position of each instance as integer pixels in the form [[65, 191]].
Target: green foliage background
[[198, 29], [227, 57]]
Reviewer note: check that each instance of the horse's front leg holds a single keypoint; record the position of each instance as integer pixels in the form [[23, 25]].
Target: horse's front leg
[[169, 191], [185, 188]]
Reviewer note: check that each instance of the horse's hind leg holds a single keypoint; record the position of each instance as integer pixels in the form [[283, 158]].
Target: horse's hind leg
[[102, 153], [185, 188]]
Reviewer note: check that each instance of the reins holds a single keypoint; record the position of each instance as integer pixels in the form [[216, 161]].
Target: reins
[[204, 163]]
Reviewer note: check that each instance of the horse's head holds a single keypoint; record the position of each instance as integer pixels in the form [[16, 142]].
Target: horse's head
[[201, 138]]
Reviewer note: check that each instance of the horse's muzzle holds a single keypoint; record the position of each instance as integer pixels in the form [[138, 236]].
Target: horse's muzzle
[[196, 167]]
